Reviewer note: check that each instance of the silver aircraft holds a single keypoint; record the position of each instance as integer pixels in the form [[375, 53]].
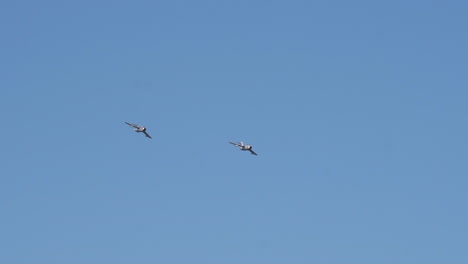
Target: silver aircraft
[[244, 147], [139, 129]]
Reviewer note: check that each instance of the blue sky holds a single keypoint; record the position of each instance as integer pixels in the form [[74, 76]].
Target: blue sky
[[357, 110]]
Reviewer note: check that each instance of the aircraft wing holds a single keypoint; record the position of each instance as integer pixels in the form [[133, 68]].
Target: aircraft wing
[[147, 135], [132, 125], [235, 144]]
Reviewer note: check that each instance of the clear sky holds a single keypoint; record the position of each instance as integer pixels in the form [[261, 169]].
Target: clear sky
[[357, 109]]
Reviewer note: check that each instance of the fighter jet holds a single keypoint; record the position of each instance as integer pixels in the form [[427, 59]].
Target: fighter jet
[[139, 129], [244, 147]]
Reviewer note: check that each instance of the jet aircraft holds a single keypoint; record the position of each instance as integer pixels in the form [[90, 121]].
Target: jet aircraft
[[243, 147], [139, 129]]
